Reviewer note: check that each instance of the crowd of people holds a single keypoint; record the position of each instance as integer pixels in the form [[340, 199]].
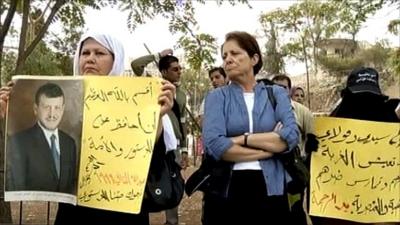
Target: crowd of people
[[242, 130]]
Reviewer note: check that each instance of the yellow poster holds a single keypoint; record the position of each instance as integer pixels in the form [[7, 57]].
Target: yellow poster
[[119, 128], [355, 174], [83, 140]]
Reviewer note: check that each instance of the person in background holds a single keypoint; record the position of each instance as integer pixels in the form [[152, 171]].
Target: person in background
[[138, 65], [43, 157], [304, 117], [297, 94], [242, 130], [171, 70], [218, 79], [103, 54], [362, 99], [307, 143]]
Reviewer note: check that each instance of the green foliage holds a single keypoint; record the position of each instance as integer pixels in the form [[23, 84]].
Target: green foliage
[[307, 22], [197, 84], [394, 62], [375, 56], [293, 49], [310, 21], [65, 45], [41, 15], [42, 61], [273, 59], [336, 66], [199, 48], [394, 27], [8, 65], [352, 14]]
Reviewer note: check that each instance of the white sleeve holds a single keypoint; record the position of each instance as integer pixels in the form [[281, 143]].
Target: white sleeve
[[169, 135]]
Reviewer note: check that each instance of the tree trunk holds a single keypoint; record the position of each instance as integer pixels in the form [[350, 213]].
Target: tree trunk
[[22, 55], [5, 209], [22, 38], [4, 30]]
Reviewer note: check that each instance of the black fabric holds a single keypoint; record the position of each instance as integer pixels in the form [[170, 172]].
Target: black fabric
[[68, 214], [254, 207], [364, 79], [165, 184], [177, 112], [361, 106], [364, 106], [292, 161], [212, 177], [311, 144], [297, 169]]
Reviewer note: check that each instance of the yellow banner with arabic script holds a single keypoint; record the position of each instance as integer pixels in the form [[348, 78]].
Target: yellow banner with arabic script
[[355, 175], [119, 129]]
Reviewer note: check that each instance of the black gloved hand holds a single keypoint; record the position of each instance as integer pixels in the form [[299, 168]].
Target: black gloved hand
[[311, 143]]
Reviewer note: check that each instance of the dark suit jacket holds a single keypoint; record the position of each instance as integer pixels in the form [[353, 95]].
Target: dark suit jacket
[[30, 164]]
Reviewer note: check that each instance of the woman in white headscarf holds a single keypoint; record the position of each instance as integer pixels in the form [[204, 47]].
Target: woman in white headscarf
[[102, 54]]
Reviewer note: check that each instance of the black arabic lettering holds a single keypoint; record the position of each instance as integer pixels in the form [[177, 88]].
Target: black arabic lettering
[[87, 196], [364, 140], [336, 133], [132, 195], [100, 121], [325, 152], [122, 123], [148, 128], [148, 89], [395, 139], [379, 161], [352, 141], [94, 95], [119, 95], [318, 179], [105, 145], [345, 158], [344, 137], [322, 138]]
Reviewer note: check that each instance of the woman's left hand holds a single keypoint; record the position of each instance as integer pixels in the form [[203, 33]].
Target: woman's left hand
[[166, 97]]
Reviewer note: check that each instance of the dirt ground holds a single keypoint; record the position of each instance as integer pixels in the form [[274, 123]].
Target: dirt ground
[[36, 212]]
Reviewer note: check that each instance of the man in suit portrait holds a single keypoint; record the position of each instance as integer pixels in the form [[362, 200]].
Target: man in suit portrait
[[43, 158]]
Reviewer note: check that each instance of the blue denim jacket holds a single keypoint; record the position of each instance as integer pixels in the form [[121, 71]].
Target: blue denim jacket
[[226, 116]]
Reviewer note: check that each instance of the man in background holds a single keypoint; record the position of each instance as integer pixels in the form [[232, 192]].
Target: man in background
[[218, 79], [307, 143], [170, 70]]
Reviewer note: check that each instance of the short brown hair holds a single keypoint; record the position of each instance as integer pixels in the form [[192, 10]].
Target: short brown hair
[[248, 43]]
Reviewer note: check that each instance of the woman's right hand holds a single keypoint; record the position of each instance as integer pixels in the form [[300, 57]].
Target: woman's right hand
[[166, 97], [4, 95]]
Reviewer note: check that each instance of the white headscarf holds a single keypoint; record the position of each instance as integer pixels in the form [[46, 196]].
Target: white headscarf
[[110, 43]]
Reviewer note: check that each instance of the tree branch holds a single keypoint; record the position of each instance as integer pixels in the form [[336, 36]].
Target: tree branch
[[43, 13], [22, 37], [7, 21], [46, 25]]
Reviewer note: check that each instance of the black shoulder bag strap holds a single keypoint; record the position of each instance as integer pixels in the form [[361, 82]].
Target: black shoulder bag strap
[[271, 96], [175, 109]]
